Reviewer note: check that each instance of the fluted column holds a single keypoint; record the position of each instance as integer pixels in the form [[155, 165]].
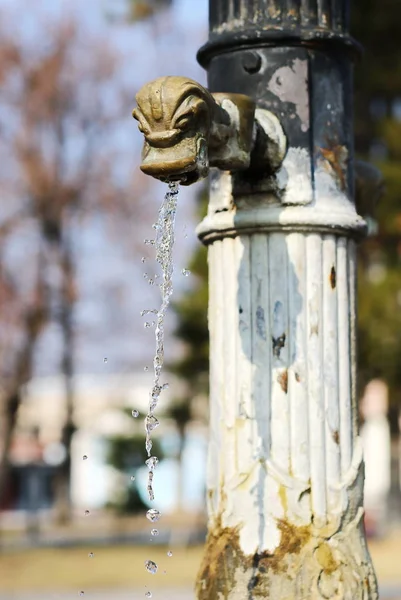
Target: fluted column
[[285, 474]]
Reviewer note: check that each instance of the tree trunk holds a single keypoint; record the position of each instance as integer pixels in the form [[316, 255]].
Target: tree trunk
[[33, 323], [8, 420], [63, 478]]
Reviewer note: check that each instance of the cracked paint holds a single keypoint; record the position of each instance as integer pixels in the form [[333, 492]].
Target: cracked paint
[[290, 84]]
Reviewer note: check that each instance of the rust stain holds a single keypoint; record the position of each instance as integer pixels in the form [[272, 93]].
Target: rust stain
[[314, 330], [282, 492], [336, 155], [336, 436], [325, 558], [333, 277], [223, 559], [292, 540], [282, 378], [274, 12]]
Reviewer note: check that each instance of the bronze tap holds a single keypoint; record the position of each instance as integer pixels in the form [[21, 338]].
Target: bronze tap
[[187, 130]]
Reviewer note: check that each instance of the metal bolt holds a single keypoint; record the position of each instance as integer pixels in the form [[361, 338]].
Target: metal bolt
[[251, 61]]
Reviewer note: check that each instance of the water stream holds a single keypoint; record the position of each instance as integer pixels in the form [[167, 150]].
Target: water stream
[[163, 244]]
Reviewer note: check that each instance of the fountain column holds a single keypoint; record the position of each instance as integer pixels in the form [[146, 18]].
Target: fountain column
[[285, 473]]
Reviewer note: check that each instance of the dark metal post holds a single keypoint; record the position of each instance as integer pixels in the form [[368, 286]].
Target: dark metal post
[[293, 57], [285, 475]]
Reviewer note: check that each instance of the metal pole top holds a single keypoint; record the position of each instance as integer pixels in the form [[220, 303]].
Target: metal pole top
[[236, 24]]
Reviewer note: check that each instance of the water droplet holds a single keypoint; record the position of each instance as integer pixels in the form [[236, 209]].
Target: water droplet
[[153, 515], [148, 311], [155, 226], [151, 282], [147, 325], [169, 553], [155, 532], [82, 593], [152, 463], [91, 555], [143, 259], [165, 386], [105, 360], [148, 594], [87, 512], [150, 486], [186, 272], [146, 369], [155, 396], [132, 477], [148, 446], [135, 413], [151, 423], [149, 242], [151, 566], [84, 457], [164, 572]]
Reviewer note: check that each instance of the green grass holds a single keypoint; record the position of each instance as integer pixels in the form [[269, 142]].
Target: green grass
[[111, 567]]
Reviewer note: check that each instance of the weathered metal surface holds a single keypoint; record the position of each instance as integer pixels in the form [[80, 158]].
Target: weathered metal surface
[[288, 14], [285, 480], [186, 129], [315, 24], [285, 465], [310, 94]]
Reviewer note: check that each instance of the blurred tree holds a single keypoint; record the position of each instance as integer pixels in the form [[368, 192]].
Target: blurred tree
[[142, 9], [22, 320], [135, 10], [192, 330], [58, 105], [378, 139]]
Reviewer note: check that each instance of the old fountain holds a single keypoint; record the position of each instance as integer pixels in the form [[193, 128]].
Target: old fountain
[[274, 132]]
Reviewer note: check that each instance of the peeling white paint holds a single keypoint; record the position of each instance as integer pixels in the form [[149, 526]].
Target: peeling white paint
[[294, 178], [277, 146], [289, 421], [284, 446], [221, 192], [290, 84]]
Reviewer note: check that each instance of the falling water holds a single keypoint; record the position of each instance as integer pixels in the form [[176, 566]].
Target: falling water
[[163, 243]]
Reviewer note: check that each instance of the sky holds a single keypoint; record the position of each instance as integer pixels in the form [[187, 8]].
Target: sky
[[110, 334], [165, 46]]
